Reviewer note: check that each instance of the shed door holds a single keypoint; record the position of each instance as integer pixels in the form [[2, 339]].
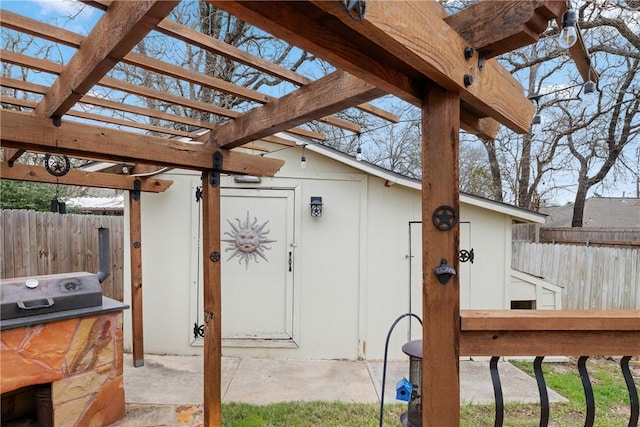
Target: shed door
[[257, 233], [415, 257]]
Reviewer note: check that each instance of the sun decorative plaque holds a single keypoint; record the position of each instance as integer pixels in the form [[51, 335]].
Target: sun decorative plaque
[[248, 240]]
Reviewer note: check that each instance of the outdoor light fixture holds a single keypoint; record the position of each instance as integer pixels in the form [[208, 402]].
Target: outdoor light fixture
[[569, 31], [537, 119], [247, 179], [125, 169], [316, 206], [303, 159], [359, 149], [589, 87], [589, 92]]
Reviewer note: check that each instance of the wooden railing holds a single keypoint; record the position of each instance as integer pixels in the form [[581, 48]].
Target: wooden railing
[[540, 333]]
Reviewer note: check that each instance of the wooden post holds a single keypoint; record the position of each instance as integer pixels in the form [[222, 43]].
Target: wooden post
[[440, 302], [212, 302], [135, 239]]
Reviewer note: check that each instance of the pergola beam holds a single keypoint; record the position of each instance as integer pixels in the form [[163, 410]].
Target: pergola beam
[[113, 36], [23, 172], [327, 95], [20, 130], [397, 54], [512, 25]]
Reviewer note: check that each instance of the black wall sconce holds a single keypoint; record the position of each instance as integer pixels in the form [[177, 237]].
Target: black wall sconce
[[316, 206]]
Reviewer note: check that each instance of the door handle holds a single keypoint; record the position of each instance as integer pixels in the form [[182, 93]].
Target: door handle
[[290, 260]]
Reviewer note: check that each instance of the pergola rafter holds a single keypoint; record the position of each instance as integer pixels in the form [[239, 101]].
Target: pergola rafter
[[113, 36]]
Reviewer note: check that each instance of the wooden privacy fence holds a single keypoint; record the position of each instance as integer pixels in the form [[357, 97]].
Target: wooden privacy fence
[[41, 243], [589, 236], [602, 278]]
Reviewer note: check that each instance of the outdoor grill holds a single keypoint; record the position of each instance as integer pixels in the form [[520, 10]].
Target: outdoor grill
[[41, 299], [46, 296], [70, 334]]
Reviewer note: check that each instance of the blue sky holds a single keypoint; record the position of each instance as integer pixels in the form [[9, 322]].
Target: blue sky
[[45, 10]]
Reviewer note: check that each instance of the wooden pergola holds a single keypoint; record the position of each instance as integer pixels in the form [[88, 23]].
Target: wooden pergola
[[414, 50]]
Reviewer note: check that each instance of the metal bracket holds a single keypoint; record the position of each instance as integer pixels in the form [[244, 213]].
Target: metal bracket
[[480, 61], [355, 8], [56, 120], [214, 178], [135, 193]]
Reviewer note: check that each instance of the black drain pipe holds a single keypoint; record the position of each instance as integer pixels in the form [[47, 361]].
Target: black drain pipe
[[104, 254]]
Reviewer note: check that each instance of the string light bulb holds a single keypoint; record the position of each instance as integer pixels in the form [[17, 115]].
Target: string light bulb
[[359, 148], [537, 119], [589, 90], [303, 159], [569, 31]]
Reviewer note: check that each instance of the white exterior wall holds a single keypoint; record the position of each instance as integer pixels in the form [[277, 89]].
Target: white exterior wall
[[351, 268], [166, 283], [525, 287]]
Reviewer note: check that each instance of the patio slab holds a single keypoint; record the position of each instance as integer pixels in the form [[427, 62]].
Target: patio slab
[[168, 390]]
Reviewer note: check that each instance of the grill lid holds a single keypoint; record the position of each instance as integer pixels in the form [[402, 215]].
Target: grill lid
[[27, 296]]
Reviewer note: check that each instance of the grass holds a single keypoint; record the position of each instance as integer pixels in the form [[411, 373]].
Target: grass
[[611, 396], [326, 414]]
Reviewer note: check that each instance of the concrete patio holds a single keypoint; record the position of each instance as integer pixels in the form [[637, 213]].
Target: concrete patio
[[168, 390]]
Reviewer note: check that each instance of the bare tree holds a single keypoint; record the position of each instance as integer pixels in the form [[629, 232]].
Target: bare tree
[[590, 142], [217, 24], [597, 140]]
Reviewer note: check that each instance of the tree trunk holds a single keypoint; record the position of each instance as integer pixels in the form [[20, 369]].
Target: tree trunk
[[524, 174], [578, 207], [496, 178]]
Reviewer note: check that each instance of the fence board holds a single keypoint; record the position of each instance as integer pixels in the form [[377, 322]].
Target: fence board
[[589, 236], [41, 243], [606, 278]]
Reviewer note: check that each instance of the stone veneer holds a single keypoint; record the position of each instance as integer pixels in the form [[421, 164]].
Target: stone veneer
[[80, 357]]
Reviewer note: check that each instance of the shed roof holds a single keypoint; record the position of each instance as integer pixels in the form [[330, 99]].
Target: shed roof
[[516, 213]]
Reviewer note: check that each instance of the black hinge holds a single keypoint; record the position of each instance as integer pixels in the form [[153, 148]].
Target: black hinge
[[467, 255], [198, 331]]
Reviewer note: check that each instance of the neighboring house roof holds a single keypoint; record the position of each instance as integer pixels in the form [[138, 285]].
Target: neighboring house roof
[[598, 212], [90, 202]]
